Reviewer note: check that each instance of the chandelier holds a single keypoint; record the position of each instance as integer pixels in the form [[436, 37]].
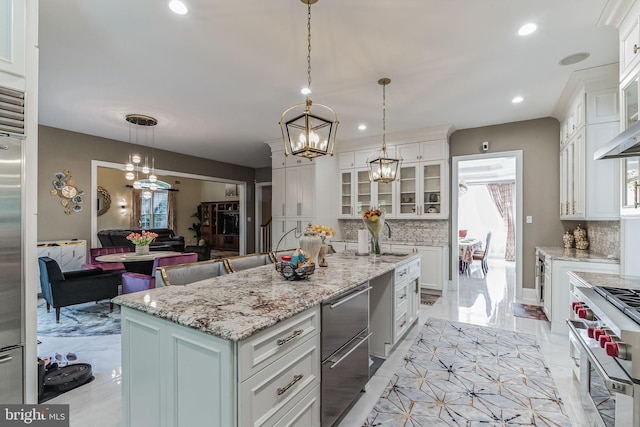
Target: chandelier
[[306, 133], [383, 164], [135, 165]]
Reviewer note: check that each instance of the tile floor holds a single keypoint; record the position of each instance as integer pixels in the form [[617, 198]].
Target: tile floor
[[479, 301]]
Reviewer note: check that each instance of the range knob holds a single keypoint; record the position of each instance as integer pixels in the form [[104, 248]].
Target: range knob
[[585, 313], [617, 349], [597, 333], [604, 339], [576, 306], [612, 349], [590, 331]]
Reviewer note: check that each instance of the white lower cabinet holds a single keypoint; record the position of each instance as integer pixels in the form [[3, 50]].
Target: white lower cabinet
[[176, 376], [558, 285], [394, 305], [433, 265]]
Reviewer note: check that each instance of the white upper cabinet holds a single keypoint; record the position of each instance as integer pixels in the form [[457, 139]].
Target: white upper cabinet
[[589, 119], [423, 190], [629, 43], [424, 151], [12, 38]]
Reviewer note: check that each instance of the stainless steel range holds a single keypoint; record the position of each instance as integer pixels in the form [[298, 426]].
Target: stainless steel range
[[605, 330]]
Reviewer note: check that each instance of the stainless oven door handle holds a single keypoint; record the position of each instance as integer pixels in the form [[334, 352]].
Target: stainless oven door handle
[[613, 384], [362, 340], [350, 297]]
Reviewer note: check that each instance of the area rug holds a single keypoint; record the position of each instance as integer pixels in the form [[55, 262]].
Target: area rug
[[428, 299], [529, 311], [457, 374], [87, 319]]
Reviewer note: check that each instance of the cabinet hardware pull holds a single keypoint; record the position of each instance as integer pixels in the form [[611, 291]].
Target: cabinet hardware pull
[[573, 207], [402, 324], [295, 334], [635, 194], [349, 297], [635, 48], [362, 340], [561, 210], [283, 390], [403, 296], [5, 359]]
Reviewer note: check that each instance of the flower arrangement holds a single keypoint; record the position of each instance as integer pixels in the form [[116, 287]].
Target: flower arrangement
[[374, 220], [142, 239], [324, 231]]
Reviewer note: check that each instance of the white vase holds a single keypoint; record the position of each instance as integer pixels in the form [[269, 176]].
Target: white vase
[[310, 244]]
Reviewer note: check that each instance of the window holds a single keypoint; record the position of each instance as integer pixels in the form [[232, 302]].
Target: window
[[154, 206]]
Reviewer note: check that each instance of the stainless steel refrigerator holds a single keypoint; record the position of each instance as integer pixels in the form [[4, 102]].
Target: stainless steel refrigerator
[[11, 289]]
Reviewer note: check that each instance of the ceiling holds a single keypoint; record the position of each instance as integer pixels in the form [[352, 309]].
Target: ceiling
[[218, 78]]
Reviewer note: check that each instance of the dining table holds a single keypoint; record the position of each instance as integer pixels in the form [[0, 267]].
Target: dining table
[[466, 247], [136, 263]]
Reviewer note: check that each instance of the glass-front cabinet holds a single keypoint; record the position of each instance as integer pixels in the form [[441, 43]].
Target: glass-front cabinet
[[346, 194], [423, 190], [630, 165], [631, 171], [364, 191]]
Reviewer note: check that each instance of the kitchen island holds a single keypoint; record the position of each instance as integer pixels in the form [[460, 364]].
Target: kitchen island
[[240, 349]]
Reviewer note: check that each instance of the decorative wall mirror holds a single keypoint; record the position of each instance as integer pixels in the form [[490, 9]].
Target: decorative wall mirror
[[104, 200]]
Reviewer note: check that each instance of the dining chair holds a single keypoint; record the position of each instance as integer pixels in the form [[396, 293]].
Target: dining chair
[[481, 255], [136, 282]]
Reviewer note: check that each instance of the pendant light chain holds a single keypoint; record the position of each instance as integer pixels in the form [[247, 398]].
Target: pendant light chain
[[384, 118], [309, 45]]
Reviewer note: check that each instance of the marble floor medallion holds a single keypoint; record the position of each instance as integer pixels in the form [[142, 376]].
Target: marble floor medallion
[[457, 374]]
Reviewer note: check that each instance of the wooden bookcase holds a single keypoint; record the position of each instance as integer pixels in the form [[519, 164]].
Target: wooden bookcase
[[220, 225]]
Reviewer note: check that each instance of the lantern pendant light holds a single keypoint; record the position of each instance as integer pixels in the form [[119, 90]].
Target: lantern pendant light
[[383, 165], [306, 133]]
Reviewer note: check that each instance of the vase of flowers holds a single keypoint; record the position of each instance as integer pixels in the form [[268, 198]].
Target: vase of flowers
[[323, 231], [142, 241], [374, 221]]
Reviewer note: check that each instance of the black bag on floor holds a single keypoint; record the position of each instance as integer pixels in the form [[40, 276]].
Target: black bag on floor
[[68, 377]]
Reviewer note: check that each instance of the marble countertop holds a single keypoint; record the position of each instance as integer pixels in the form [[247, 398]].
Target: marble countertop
[[562, 254], [384, 240], [235, 306], [608, 280]]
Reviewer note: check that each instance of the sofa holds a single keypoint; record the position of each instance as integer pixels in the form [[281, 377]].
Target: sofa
[[166, 240]]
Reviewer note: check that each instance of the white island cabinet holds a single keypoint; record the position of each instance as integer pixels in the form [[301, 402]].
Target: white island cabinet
[[175, 372], [243, 349]]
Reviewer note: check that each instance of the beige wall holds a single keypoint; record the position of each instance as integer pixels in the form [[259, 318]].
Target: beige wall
[[539, 141], [113, 181], [60, 149]]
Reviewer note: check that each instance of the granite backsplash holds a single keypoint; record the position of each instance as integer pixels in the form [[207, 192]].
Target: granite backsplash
[[603, 236], [425, 232]]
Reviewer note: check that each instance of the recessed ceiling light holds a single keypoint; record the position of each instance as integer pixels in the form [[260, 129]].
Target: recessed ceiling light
[[575, 58], [517, 100], [178, 7], [305, 91], [527, 29], [362, 127]]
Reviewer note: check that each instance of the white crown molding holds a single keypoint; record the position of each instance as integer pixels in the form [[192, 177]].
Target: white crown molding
[[614, 12]]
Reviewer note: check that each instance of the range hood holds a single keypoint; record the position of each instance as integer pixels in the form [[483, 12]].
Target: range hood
[[627, 144]]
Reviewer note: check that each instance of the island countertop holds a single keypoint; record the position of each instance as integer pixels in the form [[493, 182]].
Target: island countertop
[[237, 305]]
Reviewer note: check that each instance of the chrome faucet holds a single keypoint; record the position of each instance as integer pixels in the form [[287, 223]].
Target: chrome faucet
[[389, 227]]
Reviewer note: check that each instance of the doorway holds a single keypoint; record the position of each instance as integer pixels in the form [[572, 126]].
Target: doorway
[[487, 197]]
